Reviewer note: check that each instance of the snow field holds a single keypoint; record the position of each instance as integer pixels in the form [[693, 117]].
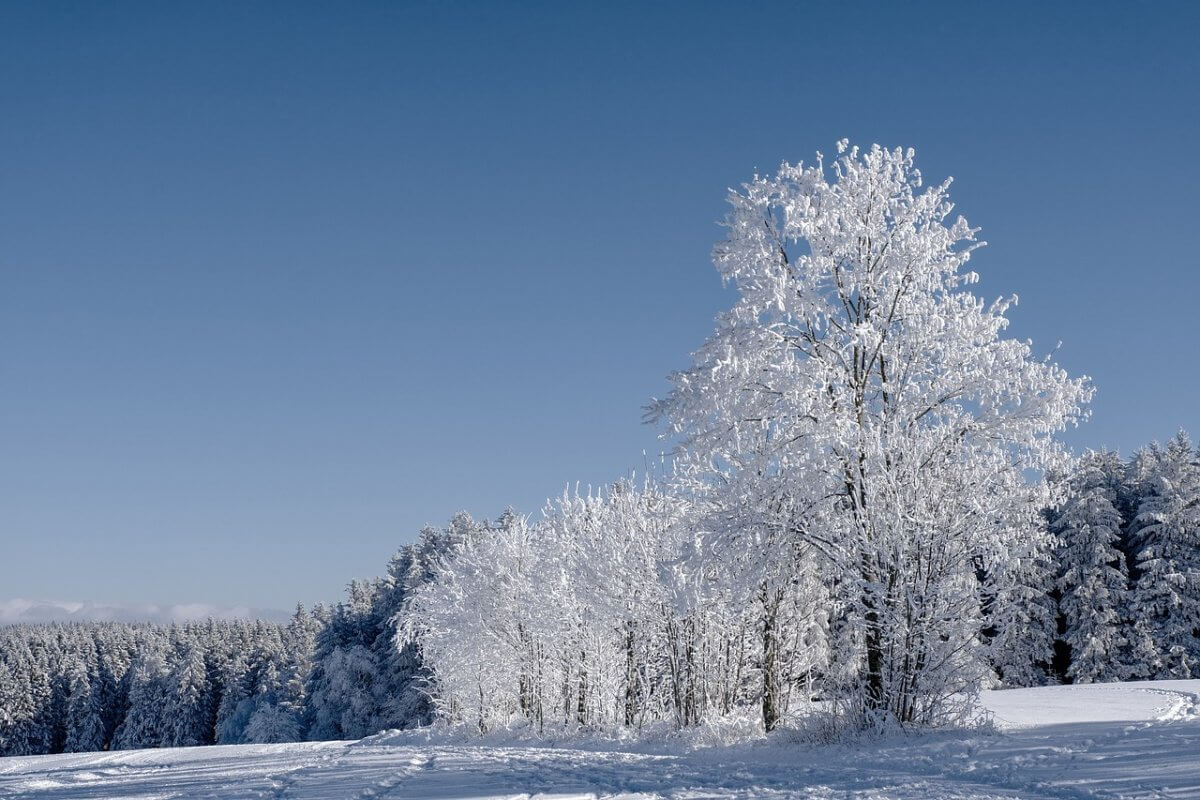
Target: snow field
[[1132, 740]]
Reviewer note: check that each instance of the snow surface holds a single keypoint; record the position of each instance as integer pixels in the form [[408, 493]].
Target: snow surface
[[1132, 740]]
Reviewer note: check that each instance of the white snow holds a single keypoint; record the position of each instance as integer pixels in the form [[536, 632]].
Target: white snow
[[1131, 740]]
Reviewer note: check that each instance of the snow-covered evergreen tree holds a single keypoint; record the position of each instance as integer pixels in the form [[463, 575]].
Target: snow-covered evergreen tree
[[1166, 535], [113, 685], [24, 731], [85, 719], [236, 704], [1021, 616], [401, 699], [344, 705], [341, 700], [1092, 581], [297, 654], [270, 724], [191, 710], [145, 723]]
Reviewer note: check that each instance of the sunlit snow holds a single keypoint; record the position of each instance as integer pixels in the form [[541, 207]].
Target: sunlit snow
[[1132, 740]]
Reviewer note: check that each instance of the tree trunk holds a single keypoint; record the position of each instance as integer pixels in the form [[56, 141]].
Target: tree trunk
[[873, 641], [770, 665], [631, 678], [581, 704]]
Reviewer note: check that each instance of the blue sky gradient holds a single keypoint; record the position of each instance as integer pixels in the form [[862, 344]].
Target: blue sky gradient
[[282, 282]]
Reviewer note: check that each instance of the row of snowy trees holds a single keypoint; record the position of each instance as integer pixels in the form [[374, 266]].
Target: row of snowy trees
[[1116, 596], [329, 674], [619, 608], [96, 686], [603, 614]]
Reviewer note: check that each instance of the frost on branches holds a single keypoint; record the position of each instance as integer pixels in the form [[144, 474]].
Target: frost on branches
[[601, 615], [860, 401]]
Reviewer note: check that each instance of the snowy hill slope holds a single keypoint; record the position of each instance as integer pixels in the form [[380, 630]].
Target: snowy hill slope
[[1134, 740]]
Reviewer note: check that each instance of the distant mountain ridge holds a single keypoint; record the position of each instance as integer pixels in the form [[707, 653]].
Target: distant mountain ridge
[[19, 610]]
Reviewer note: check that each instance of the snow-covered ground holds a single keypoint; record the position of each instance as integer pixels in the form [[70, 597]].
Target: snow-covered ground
[[1136, 740]]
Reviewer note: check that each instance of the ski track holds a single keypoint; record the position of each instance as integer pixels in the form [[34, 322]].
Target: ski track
[[1152, 754]]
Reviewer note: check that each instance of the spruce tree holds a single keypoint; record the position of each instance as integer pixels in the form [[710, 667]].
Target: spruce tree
[[1021, 614], [1092, 579], [144, 724], [85, 717], [1167, 538], [191, 712]]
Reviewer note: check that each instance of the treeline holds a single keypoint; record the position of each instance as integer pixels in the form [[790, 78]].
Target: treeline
[[99, 686], [604, 614], [1125, 583], [327, 674]]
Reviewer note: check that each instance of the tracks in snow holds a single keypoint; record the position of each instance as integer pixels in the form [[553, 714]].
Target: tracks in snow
[[1185, 705], [1136, 741], [318, 778]]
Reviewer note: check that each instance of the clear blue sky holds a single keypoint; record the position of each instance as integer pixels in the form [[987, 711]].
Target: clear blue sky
[[280, 283]]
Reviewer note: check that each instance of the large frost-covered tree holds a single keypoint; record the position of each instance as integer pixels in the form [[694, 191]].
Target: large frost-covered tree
[[860, 399]]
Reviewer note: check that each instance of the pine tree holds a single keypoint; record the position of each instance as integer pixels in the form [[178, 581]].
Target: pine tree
[[85, 719], [191, 710], [270, 724], [145, 724], [236, 706], [1021, 614], [341, 687], [299, 641], [1092, 581], [17, 707], [1167, 540]]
